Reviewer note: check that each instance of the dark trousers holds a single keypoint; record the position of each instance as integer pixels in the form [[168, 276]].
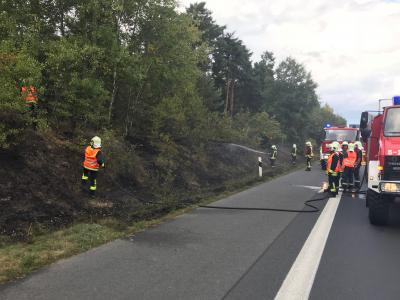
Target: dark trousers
[[348, 181], [357, 181], [272, 160], [91, 176], [308, 161], [333, 184], [294, 158]]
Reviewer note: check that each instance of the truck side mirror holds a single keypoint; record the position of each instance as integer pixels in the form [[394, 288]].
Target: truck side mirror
[[364, 121], [365, 134]]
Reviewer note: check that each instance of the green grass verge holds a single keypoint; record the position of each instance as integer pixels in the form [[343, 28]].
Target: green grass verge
[[19, 259]]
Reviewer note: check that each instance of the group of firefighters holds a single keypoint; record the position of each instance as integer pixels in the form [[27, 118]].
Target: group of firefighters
[[308, 153], [344, 166]]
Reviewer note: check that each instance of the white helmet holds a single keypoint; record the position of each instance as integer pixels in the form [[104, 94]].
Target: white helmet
[[294, 146], [96, 142], [308, 144], [334, 146], [345, 144], [273, 147], [351, 147], [358, 145]]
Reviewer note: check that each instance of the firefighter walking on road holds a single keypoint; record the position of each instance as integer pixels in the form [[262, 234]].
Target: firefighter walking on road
[[357, 165], [94, 159], [333, 169], [308, 153], [349, 160], [273, 155], [293, 154]]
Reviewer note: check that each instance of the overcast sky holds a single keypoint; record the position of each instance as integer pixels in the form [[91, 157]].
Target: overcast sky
[[351, 47]]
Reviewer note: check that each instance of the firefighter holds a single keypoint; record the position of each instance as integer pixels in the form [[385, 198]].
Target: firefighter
[[30, 95], [333, 168], [308, 153], [349, 161], [293, 154], [357, 165], [94, 159], [273, 155], [342, 153]]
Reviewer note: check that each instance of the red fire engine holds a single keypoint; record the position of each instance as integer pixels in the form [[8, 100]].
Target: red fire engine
[[382, 136]]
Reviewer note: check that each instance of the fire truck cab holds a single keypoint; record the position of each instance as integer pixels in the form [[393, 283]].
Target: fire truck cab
[[382, 136], [338, 134]]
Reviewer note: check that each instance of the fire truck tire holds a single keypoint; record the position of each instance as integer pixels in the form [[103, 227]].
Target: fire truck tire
[[378, 208]]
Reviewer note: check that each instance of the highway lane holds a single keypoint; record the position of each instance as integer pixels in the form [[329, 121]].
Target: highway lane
[[205, 254], [224, 254], [361, 261]]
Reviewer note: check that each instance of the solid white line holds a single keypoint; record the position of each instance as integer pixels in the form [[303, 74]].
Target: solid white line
[[300, 279]]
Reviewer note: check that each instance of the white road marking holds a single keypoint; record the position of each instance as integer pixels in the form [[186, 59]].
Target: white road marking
[[299, 281]]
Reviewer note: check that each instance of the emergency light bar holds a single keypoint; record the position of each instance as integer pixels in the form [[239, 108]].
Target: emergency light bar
[[328, 125], [396, 100]]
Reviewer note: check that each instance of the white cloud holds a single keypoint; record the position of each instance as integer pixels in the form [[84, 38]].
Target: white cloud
[[351, 47]]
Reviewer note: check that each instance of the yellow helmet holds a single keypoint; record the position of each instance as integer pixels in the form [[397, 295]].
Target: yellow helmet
[[96, 142]]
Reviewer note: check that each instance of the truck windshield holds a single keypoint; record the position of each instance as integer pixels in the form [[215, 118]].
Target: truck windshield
[[392, 122], [340, 135]]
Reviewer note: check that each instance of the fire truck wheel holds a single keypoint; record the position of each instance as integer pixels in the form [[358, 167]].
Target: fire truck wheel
[[378, 208]]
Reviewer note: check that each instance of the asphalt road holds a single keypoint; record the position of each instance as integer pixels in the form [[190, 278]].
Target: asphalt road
[[234, 254]]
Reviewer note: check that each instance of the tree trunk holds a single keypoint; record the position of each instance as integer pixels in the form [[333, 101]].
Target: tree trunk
[[232, 97], [114, 92], [228, 84]]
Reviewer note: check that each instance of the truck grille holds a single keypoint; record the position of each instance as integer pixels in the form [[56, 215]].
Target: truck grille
[[391, 170]]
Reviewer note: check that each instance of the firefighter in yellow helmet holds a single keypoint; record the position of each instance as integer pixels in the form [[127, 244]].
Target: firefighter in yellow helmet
[[308, 153], [94, 159], [293, 154], [332, 168], [273, 155]]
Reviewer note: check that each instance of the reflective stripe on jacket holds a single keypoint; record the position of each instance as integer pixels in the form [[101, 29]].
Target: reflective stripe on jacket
[[350, 159], [91, 162]]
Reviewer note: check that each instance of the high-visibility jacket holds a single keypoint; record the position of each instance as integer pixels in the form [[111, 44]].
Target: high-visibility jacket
[[274, 154], [333, 163], [90, 161], [29, 94], [294, 151], [350, 159]]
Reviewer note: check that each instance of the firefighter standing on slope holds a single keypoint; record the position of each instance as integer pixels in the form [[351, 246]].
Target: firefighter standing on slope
[[349, 160], [293, 154], [333, 168], [273, 155], [357, 165], [94, 159], [29, 94], [308, 153]]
